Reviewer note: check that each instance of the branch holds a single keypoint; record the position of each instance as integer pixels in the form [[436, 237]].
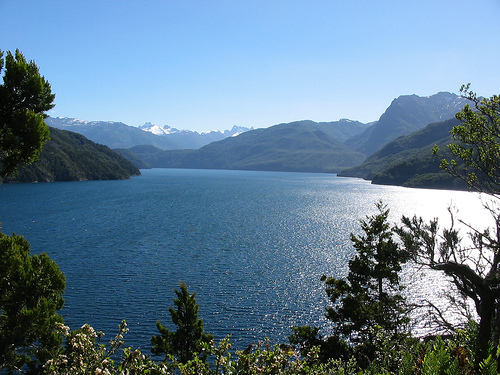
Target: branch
[[440, 319], [462, 271]]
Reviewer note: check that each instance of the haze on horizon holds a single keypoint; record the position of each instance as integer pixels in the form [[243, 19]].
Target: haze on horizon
[[210, 65]]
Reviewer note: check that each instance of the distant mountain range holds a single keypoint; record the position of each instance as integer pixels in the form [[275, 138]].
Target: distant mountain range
[[311, 146], [396, 149], [120, 135], [302, 146]]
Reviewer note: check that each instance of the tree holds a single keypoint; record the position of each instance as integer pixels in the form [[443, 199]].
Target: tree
[[186, 343], [25, 96], [478, 146], [31, 288], [307, 340], [370, 296], [472, 266]]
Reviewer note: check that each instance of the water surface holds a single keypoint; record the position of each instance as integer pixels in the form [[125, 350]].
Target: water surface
[[253, 245]]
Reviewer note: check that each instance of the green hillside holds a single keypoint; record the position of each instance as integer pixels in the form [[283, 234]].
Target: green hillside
[[409, 161], [69, 156], [133, 158]]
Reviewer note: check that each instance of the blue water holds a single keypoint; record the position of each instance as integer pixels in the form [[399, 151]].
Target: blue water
[[253, 245]]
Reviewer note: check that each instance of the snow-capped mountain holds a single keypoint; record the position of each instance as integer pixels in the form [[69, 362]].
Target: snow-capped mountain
[[120, 135], [168, 130], [158, 130]]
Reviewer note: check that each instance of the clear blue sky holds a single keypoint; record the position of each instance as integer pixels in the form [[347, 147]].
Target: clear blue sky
[[212, 64]]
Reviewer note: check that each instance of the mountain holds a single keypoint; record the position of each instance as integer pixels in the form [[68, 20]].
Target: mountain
[[191, 139], [69, 156], [112, 134], [133, 158], [405, 115], [120, 135], [302, 146], [306, 146], [409, 160]]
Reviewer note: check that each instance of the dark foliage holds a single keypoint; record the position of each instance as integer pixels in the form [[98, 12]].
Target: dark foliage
[[472, 268], [185, 343], [133, 158], [31, 288], [370, 296], [69, 156], [409, 161], [25, 96]]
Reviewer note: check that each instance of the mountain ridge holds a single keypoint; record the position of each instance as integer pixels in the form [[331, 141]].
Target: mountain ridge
[[306, 146], [302, 146], [309, 146], [409, 160], [168, 130], [119, 135], [405, 115]]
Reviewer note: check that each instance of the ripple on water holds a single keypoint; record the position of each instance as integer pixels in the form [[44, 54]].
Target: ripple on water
[[253, 245]]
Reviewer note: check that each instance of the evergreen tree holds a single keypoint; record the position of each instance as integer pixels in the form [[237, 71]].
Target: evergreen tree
[[370, 296], [31, 288], [186, 342], [478, 144], [25, 96]]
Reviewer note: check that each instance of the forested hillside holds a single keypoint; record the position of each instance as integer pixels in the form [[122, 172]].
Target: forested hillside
[[69, 156], [409, 161]]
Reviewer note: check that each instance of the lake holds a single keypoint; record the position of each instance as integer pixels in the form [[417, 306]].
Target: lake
[[253, 245]]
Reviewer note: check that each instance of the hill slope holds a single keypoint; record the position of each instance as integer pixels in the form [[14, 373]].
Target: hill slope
[[303, 146], [405, 115], [69, 156], [409, 161]]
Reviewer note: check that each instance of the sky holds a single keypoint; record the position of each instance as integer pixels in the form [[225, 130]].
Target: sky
[[212, 64]]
